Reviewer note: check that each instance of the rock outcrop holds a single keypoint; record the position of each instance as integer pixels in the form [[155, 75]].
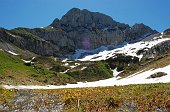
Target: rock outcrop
[[166, 33], [157, 50]]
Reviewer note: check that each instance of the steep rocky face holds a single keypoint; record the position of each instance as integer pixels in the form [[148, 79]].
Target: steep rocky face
[[89, 30], [57, 37], [84, 18], [27, 42], [77, 29], [138, 31]]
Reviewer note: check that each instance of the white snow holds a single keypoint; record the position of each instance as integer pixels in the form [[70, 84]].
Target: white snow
[[105, 52], [115, 72], [71, 67], [66, 64], [64, 60], [81, 52], [127, 49], [137, 78], [51, 27], [15, 54], [30, 61], [83, 68], [55, 59], [77, 64], [12, 35]]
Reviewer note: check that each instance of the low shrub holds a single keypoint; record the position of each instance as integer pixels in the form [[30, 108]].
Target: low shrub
[[157, 75]]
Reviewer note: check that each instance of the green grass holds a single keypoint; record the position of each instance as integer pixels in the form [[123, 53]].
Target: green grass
[[22, 32], [13, 71], [47, 71], [49, 62], [12, 68], [94, 71]]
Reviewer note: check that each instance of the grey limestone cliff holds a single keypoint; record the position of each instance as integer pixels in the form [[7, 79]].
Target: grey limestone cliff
[[77, 29], [89, 30]]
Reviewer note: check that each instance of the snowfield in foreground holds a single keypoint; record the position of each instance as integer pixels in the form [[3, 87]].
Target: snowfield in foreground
[[137, 78]]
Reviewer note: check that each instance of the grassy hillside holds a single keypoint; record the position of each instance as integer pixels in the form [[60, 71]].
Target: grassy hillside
[[93, 71], [22, 32], [47, 71], [132, 98], [14, 71]]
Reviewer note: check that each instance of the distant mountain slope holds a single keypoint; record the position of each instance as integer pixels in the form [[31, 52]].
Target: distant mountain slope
[[77, 29], [95, 46], [120, 62]]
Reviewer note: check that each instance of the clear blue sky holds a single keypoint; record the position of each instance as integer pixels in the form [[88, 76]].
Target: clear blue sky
[[39, 13]]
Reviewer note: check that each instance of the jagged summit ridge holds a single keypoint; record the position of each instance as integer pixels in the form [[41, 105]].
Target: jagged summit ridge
[[84, 18], [77, 29], [99, 29]]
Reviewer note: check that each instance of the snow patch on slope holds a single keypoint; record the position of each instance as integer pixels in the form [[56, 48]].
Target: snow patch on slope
[[137, 78], [13, 53], [71, 67], [105, 52], [11, 34], [127, 49], [29, 61], [115, 72], [80, 53], [83, 68]]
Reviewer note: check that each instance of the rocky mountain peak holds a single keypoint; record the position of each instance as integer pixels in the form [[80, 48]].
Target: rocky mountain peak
[[141, 26], [80, 29], [84, 18], [55, 23], [99, 29], [138, 31]]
